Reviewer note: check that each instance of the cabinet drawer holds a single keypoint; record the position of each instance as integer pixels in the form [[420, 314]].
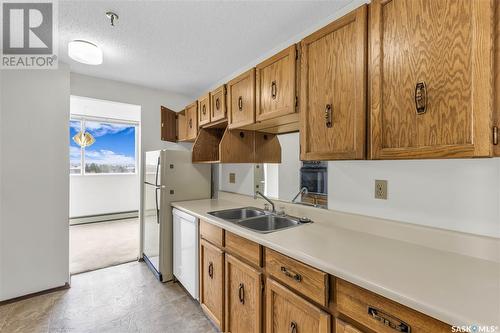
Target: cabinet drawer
[[343, 327], [305, 279], [212, 233], [380, 313], [288, 312], [248, 250]]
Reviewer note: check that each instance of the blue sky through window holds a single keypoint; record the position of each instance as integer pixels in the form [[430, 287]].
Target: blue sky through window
[[113, 150]]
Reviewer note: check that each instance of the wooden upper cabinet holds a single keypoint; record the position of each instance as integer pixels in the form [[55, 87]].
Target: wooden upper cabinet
[[243, 297], [241, 96], [333, 90], [218, 103], [191, 122], [288, 312], [430, 67], [204, 115], [168, 125], [275, 85]]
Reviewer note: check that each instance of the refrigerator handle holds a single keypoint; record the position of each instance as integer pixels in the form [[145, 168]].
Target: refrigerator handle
[[157, 169], [157, 208]]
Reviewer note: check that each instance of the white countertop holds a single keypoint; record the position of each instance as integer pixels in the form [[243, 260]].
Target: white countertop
[[454, 288]]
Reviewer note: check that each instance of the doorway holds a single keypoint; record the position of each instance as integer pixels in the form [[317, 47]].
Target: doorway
[[104, 141]]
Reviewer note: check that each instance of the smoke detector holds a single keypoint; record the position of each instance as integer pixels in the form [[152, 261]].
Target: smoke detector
[[112, 17]]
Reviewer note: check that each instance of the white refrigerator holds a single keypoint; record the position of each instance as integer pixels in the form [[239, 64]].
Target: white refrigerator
[[169, 175]]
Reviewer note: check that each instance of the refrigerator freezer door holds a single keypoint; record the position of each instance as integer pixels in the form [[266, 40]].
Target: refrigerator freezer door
[[152, 168]]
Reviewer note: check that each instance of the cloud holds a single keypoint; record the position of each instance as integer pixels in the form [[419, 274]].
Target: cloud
[[101, 129], [74, 154], [108, 157]]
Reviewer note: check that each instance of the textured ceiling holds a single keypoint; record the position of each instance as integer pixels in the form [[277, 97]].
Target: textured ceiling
[[183, 46]]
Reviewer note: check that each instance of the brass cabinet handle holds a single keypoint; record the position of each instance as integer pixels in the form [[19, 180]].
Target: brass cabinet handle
[[495, 135], [293, 327], [241, 293], [421, 97], [190, 123], [296, 276], [204, 109], [240, 103], [388, 320], [328, 116], [217, 103], [211, 270], [274, 90]]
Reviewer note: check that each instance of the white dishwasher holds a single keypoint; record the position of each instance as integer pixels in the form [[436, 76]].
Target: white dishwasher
[[185, 243]]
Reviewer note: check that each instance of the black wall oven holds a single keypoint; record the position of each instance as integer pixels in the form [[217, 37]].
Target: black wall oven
[[314, 177]]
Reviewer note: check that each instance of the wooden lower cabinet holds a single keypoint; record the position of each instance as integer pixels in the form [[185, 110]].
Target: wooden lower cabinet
[[212, 282], [288, 312], [343, 327], [243, 297]]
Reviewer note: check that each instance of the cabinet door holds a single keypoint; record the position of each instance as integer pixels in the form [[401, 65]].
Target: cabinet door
[[218, 103], [168, 125], [333, 90], [241, 92], [343, 327], [204, 110], [182, 133], [275, 85], [431, 78], [288, 312], [243, 297], [212, 282], [192, 121], [496, 138]]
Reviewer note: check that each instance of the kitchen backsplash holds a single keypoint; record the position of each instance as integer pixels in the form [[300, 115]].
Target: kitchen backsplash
[[461, 195]]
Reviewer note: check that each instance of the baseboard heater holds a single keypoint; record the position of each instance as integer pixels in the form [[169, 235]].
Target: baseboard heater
[[103, 217]]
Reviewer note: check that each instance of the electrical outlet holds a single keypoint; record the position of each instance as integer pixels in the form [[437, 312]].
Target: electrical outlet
[[381, 189], [232, 178]]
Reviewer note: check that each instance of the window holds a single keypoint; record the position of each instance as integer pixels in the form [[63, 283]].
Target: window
[[112, 152]]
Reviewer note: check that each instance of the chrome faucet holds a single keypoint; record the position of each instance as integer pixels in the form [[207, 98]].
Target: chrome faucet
[[302, 190], [265, 198]]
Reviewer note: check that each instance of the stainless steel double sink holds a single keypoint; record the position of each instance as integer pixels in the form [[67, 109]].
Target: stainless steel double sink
[[257, 219]]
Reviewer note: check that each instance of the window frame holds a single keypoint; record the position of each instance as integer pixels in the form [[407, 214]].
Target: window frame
[[82, 119]]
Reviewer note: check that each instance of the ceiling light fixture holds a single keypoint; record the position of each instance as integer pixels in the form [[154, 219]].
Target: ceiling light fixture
[[85, 52]]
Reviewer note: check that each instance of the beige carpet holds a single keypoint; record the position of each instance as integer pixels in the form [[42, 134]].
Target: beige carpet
[[104, 244]]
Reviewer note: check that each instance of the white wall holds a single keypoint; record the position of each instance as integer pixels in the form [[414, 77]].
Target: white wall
[[244, 176], [289, 169], [150, 101], [103, 194], [85, 106], [34, 180], [461, 195]]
